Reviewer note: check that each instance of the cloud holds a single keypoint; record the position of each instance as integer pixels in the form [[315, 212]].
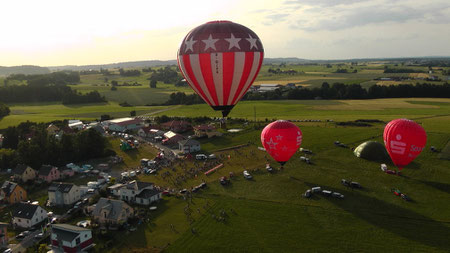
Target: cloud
[[322, 2], [275, 18], [339, 17]]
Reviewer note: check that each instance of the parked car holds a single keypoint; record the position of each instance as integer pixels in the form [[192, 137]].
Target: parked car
[[355, 185], [269, 168], [8, 250], [183, 191], [326, 192], [202, 185], [201, 157], [307, 194], [316, 189], [247, 175], [39, 236], [224, 181]]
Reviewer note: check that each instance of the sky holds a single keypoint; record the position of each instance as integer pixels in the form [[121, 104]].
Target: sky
[[69, 32]]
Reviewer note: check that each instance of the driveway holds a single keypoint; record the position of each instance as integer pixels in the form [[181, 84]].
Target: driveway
[[25, 243]]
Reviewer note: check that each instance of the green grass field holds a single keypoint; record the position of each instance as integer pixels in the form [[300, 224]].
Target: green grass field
[[47, 112], [307, 76], [268, 214]]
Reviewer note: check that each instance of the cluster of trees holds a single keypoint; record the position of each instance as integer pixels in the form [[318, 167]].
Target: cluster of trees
[[131, 72], [180, 98], [30, 143], [354, 91], [4, 110], [55, 78], [281, 71], [193, 120], [166, 75], [74, 97], [46, 88], [343, 71], [402, 70]]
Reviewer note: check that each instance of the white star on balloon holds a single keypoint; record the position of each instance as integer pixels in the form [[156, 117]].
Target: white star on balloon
[[252, 42], [189, 44], [234, 42], [279, 137], [210, 42], [272, 144]]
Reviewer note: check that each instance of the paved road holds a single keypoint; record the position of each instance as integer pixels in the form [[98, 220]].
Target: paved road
[[25, 243]]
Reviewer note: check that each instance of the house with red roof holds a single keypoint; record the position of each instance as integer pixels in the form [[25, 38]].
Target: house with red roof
[[206, 131], [124, 124], [178, 126]]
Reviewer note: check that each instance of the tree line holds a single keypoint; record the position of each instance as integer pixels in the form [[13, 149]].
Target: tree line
[[334, 91], [46, 88], [4, 110], [29, 143], [354, 91]]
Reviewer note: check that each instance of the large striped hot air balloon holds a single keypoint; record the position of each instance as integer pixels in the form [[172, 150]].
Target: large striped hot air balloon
[[220, 60]]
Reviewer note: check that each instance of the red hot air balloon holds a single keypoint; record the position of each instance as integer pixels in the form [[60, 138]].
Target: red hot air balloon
[[281, 139], [404, 140], [220, 60]]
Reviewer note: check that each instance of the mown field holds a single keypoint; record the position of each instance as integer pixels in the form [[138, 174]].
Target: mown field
[[306, 76], [268, 214], [47, 112]]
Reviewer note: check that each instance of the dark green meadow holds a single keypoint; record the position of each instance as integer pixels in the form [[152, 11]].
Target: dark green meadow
[[269, 214]]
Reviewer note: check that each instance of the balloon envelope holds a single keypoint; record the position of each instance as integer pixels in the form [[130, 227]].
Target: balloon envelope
[[281, 139], [404, 140], [220, 60]]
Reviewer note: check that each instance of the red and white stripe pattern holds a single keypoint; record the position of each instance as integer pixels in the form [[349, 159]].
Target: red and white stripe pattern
[[220, 60]]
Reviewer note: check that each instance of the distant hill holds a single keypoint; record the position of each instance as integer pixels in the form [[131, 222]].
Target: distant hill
[[154, 63], [26, 69], [131, 64]]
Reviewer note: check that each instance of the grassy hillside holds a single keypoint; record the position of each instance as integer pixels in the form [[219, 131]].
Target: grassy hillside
[[268, 214]]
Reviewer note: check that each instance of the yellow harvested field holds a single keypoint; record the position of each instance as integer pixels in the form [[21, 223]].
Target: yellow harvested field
[[381, 104], [372, 71], [388, 83], [318, 73], [419, 75], [282, 82]]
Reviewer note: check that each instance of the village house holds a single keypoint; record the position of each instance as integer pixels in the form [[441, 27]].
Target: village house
[[136, 192], [69, 238], [97, 127], [4, 235], [76, 124], [144, 131], [268, 87], [1, 140], [26, 215], [148, 196], [206, 130], [53, 129], [49, 173], [24, 173], [124, 124], [179, 126], [189, 146], [61, 194], [111, 211], [66, 172], [171, 138], [12, 193]]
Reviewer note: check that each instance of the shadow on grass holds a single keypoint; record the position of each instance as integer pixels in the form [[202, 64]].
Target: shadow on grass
[[437, 185], [395, 219]]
